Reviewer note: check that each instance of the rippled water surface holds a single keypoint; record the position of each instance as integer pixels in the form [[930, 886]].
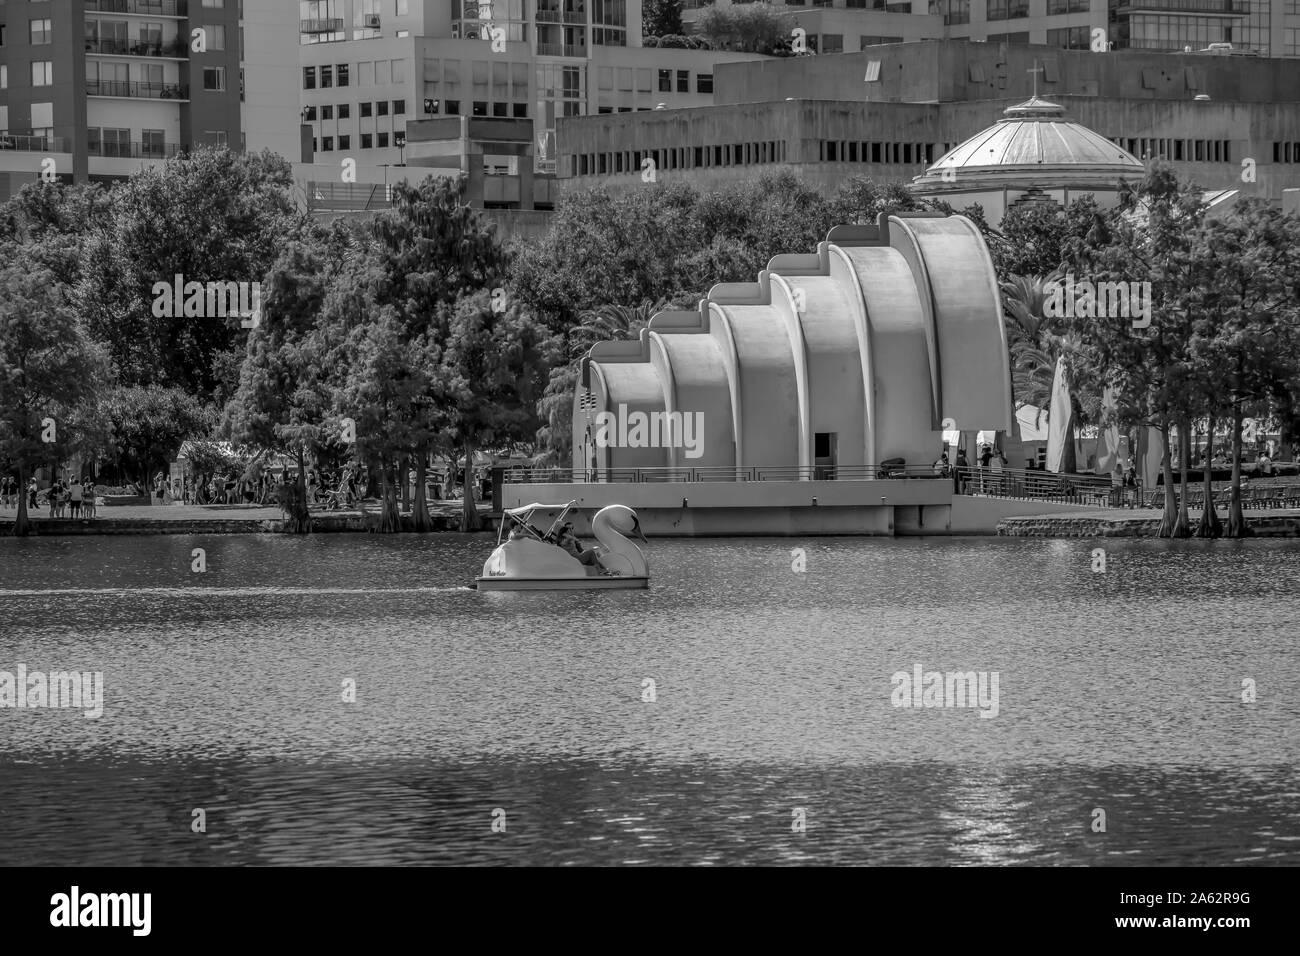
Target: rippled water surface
[[1119, 691]]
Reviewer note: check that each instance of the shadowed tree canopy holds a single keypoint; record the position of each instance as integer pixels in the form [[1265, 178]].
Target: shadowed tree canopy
[[210, 216], [52, 377]]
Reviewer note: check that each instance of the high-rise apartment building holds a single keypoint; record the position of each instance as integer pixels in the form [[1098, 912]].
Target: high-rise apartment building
[[93, 89]]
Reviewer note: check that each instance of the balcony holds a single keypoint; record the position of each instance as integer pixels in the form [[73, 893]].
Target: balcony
[[172, 49], [133, 150], [549, 16], [1205, 8], [578, 17], [560, 49], [330, 25], [149, 8], [137, 90], [33, 144]]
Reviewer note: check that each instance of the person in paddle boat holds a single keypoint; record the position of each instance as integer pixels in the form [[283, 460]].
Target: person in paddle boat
[[570, 543]]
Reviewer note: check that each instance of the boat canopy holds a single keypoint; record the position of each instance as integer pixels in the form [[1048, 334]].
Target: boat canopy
[[530, 518]]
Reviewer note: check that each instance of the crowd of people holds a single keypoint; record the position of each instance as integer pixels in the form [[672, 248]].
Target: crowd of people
[[65, 498]]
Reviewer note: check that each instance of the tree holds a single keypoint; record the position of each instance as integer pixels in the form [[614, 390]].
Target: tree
[[1037, 239], [51, 376], [661, 18], [747, 28], [430, 251], [1245, 341], [1147, 238], [209, 216], [496, 365], [283, 398], [605, 324], [150, 423]]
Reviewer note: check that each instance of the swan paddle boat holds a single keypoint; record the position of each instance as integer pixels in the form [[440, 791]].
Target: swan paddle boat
[[528, 556]]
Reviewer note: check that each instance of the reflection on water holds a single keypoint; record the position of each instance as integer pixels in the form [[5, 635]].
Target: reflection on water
[[1119, 691]]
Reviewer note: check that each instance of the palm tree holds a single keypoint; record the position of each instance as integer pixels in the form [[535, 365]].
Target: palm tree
[[606, 323], [1036, 342]]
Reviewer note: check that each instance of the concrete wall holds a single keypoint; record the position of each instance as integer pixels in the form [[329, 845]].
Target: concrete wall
[[971, 515], [955, 71], [801, 126], [903, 507]]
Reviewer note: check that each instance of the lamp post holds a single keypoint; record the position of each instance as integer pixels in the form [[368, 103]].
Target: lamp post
[[399, 140]]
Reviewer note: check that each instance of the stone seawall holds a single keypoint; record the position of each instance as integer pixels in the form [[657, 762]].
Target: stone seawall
[[1112, 524], [320, 524]]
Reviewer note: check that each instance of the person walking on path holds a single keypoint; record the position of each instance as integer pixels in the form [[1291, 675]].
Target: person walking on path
[[75, 493]]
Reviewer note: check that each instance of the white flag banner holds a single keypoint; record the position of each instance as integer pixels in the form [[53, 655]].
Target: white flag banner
[[1060, 427]]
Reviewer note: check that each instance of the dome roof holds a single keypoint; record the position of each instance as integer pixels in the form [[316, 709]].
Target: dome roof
[[1034, 146]]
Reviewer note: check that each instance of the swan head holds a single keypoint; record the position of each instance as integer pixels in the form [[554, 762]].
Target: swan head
[[622, 519]]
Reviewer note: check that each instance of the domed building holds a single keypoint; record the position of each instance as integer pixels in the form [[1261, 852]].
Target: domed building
[[1035, 155]]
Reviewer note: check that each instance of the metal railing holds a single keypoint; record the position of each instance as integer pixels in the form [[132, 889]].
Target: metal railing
[[549, 16], [1035, 485], [133, 150], [1213, 7], [560, 49], [175, 49], [347, 197], [34, 144], [156, 8], [135, 89], [885, 471], [328, 25]]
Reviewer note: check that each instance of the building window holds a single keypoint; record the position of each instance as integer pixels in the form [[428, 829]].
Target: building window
[[327, 112], [42, 72], [381, 108], [345, 110], [326, 77], [216, 36], [309, 114], [665, 81], [704, 83], [520, 110], [500, 109], [327, 144], [366, 109], [40, 32], [453, 107], [345, 142], [399, 107], [683, 81], [832, 43], [1070, 38], [341, 70], [214, 78], [309, 77], [4, 77], [367, 140], [383, 140], [480, 108]]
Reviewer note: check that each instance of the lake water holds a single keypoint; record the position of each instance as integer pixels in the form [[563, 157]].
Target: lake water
[[1119, 691]]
